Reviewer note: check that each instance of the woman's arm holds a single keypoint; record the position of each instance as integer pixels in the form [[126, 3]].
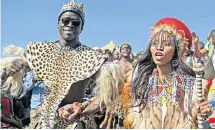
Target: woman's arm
[[91, 107], [4, 119]]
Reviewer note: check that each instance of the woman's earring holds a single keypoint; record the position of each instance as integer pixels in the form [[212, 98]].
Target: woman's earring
[[174, 64]]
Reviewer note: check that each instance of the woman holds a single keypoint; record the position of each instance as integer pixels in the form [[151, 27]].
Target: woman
[[15, 103], [162, 84]]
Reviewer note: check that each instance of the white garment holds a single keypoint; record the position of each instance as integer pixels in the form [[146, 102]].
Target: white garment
[[115, 61], [213, 55]]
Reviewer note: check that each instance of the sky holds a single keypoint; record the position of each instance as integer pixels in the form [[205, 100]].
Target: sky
[[25, 21]]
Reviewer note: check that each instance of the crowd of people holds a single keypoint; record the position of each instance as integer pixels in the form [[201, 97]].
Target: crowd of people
[[67, 85]]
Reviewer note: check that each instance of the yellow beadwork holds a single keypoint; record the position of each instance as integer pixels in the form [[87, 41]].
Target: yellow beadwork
[[164, 100]]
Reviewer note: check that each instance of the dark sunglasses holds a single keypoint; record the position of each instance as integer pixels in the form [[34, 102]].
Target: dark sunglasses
[[66, 21]]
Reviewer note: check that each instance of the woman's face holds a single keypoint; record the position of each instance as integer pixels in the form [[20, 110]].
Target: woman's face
[[162, 48]]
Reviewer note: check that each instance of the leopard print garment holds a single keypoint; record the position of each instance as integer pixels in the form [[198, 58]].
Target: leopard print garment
[[59, 69]]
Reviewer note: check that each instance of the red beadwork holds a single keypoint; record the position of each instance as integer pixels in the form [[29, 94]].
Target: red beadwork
[[178, 79]]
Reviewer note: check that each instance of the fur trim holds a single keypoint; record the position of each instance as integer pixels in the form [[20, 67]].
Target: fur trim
[[126, 97], [109, 79], [129, 119]]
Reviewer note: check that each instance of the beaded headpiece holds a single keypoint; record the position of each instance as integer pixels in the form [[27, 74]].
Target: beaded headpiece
[[72, 7], [175, 27]]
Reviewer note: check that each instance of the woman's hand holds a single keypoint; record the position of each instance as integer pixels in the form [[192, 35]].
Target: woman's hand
[[205, 108], [69, 111], [91, 109]]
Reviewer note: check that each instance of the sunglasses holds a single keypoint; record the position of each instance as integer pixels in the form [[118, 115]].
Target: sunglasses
[[66, 21]]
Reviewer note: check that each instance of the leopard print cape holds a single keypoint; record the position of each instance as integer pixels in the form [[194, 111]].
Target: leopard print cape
[[60, 69]]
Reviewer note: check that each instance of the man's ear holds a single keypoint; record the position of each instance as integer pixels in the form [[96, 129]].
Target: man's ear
[[208, 37], [82, 28], [58, 23]]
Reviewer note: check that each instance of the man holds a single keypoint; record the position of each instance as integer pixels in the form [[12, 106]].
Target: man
[[189, 57], [127, 65], [125, 53], [65, 68]]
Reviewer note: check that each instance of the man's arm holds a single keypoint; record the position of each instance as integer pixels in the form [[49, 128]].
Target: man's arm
[[198, 53]]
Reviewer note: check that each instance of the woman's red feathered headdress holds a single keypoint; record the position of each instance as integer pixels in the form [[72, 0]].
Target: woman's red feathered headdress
[[175, 27]]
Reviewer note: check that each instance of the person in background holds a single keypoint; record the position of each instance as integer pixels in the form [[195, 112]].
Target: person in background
[[109, 55], [208, 50], [116, 54], [126, 64], [15, 105]]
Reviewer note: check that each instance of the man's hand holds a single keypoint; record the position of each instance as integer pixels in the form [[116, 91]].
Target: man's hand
[[16, 66], [195, 38], [69, 111]]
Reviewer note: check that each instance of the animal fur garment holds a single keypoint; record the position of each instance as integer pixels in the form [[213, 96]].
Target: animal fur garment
[[60, 69]]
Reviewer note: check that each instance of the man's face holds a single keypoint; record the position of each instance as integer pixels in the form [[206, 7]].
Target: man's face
[[212, 35], [70, 26], [125, 51]]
